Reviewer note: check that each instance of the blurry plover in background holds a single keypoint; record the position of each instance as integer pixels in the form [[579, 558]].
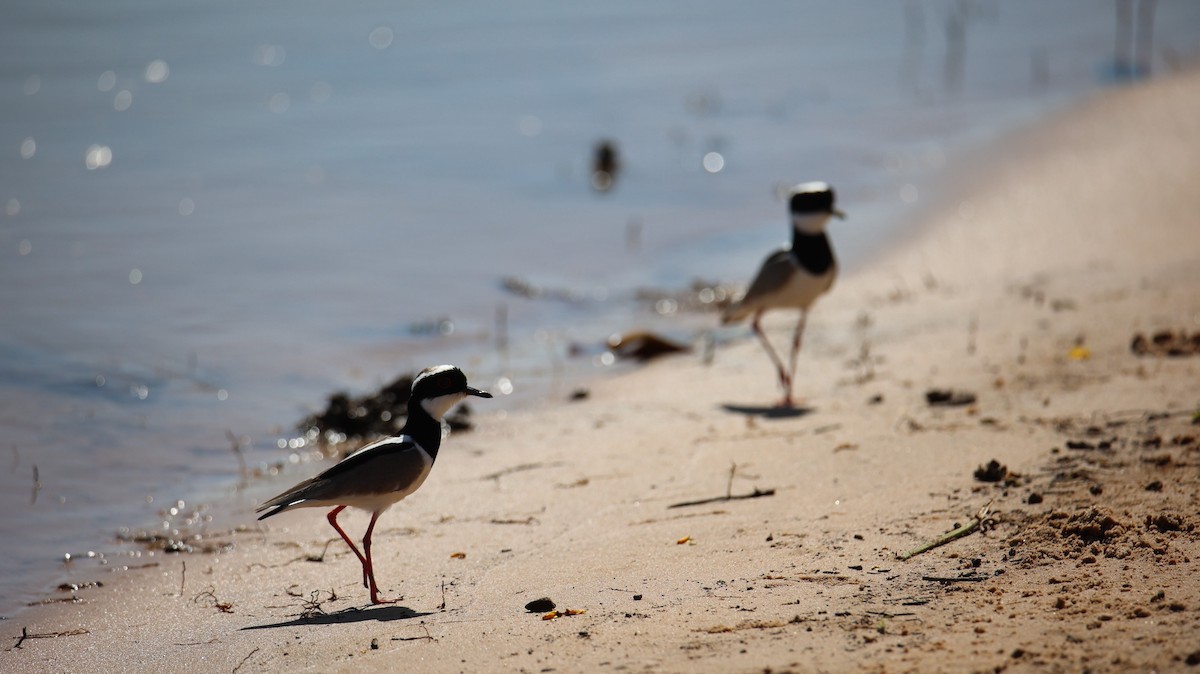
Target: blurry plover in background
[[381, 474], [793, 277], [605, 165]]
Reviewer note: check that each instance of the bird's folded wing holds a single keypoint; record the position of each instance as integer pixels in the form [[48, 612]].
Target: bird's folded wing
[[386, 451], [391, 465]]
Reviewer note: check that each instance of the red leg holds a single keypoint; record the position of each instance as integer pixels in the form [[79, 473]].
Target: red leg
[[795, 352], [785, 381], [332, 517], [370, 567]]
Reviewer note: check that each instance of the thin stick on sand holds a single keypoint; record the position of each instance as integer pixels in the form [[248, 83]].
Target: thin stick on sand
[[975, 523], [757, 493]]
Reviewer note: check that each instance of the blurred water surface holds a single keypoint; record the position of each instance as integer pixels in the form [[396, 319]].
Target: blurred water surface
[[215, 213]]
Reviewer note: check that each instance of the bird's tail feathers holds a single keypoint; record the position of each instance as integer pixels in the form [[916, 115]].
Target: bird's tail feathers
[[734, 313], [276, 506]]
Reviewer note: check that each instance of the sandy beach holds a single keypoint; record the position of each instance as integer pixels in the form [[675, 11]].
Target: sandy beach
[[1021, 296]]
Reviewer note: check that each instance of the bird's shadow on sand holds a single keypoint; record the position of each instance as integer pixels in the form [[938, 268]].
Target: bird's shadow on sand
[[768, 411], [346, 616]]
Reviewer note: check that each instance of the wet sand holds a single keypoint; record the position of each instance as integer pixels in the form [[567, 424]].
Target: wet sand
[[1026, 290]]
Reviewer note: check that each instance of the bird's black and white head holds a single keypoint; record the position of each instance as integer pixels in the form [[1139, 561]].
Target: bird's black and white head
[[436, 389], [811, 205]]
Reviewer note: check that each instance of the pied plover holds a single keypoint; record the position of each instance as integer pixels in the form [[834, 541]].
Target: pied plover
[[379, 475], [793, 277]]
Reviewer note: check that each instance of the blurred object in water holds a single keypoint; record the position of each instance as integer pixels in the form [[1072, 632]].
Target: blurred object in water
[[633, 234], [374, 414], [701, 296], [1134, 46], [605, 165], [434, 327], [530, 290], [643, 346]]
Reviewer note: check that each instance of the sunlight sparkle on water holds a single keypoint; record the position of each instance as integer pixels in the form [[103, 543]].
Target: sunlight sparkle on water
[[97, 157], [106, 81], [280, 103], [25, 247], [157, 71], [270, 55], [122, 100], [28, 148], [12, 207], [135, 276], [529, 125], [713, 162], [320, 92], [504, 386], [381, 37]]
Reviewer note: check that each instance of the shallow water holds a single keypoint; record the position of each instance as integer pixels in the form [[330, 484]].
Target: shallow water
[[216, 213]]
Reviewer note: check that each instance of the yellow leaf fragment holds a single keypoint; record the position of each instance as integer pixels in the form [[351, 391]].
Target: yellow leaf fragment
[[565, 612]]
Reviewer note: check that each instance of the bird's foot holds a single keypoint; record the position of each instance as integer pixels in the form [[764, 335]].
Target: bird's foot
[[375, 599], [788, 403]]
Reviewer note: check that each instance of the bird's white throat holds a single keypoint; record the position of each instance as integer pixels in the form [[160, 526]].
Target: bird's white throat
[[810, 224], [437, 407]]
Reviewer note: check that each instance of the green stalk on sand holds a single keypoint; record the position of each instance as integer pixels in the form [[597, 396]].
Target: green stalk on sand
[[969, 527]]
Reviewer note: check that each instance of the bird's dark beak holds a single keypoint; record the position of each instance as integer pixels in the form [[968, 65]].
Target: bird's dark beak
[[476, 392], [838, 213]]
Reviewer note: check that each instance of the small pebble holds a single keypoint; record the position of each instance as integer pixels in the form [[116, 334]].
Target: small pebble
[[543, 605]]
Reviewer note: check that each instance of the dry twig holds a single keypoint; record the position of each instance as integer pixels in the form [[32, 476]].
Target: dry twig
[[977, 522], [757, 493], [45, 635]]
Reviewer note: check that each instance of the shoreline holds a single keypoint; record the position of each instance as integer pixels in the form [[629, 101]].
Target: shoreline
[[345, 372], [570, 500]]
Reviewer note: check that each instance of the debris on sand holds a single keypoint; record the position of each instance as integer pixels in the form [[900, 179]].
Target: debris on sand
[[1166, 343], [994, 471], [1092, 525], [543, 605], [554, 615], [981, 518], [948, 397]]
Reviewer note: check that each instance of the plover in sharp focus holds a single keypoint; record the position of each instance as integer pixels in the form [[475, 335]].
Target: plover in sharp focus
[[793, 277], [379, 475]]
